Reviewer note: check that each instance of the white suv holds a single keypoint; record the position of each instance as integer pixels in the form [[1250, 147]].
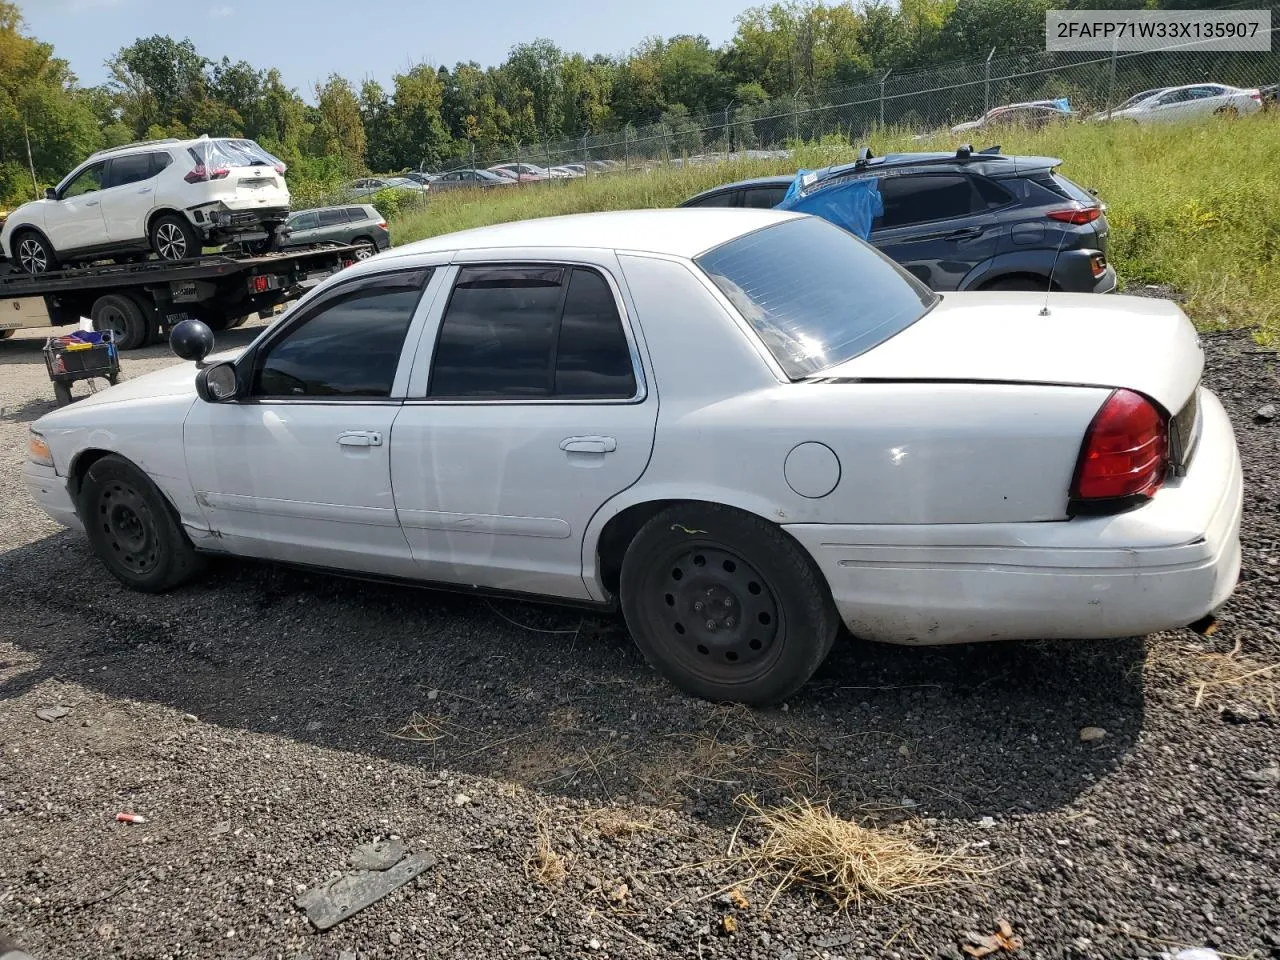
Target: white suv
[[170, 196]]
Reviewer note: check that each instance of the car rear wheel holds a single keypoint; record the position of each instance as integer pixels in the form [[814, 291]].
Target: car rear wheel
[[6, 334], [122, 317], [365, 248], [725, 605], [132, 529], [33, 254], [1228, 111], [174, 238]]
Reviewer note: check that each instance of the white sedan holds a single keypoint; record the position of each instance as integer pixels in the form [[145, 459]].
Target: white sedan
[[744, 427], [1188, 103]]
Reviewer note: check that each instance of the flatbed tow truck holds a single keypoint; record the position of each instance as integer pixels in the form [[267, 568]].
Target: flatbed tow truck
[[139, 302]]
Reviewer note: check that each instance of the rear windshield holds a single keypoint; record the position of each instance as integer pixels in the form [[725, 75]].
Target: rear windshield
[[815, 294], [226, 152], [1074, 191]]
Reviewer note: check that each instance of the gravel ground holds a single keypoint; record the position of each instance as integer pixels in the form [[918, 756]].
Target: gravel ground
[[267, 722]]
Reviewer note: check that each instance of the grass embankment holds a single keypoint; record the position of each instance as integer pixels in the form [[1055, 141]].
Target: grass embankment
[[1196, 207]]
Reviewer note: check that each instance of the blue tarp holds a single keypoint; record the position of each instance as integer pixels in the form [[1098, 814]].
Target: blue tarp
[[852, 204], [1062, 104]]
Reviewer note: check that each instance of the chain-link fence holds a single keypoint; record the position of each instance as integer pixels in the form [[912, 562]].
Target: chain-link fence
[[921, 101]]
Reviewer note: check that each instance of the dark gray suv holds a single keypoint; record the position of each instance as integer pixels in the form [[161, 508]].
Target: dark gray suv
[[968, 220], [360, 225]]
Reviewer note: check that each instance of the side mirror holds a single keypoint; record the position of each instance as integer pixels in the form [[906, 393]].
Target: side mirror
[[50, 193], [218, 383], [191, 340]]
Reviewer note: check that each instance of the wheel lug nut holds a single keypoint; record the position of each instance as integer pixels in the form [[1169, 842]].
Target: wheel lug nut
[[711, 591], [711, 624], [728, 601], [730, 622], [697, 606]]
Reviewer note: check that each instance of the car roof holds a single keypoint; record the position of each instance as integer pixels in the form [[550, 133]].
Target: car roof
[[675, 232]]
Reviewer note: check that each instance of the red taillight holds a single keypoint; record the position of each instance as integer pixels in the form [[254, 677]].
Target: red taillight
[[1078, 216], [280, 168], [1126, 451], [201, 174], [1097, 265], [382, 224]]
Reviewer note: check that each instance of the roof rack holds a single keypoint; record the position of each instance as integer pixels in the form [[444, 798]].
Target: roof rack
[[135, 144]]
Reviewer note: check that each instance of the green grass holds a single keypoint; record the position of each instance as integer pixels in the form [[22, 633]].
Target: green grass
[[1194, 207]]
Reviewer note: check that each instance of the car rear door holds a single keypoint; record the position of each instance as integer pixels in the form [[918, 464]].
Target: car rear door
[[128, 194], [528, 409], [936, 225]]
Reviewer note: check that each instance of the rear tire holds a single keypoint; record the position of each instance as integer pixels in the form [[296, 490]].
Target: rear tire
[[6, 334], [173, 238], [32, 253], [132, 529], [1019, 283], [124, 318], [365, 248], [725, 605]]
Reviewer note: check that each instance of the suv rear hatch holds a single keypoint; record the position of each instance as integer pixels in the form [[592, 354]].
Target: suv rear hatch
[[239, 174]]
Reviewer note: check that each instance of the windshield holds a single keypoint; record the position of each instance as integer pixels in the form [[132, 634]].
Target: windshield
[[816, 294]]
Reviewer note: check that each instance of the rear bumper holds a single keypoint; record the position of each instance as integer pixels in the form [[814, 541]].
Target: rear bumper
[[1159, 567], [50, 492]]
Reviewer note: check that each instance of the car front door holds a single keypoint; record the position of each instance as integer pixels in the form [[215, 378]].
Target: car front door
[[128, 194], [937, 225], [299, 468], [302, 228], [531, 411], [74, 221]]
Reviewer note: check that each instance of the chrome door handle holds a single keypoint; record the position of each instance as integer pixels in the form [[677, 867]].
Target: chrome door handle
[[360, 438], [588, 444], [145, 190]]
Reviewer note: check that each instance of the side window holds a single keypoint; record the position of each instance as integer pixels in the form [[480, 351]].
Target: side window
[[331, 218], [926, 197], [532, 332], [992, 193], [593, 360], [159, 161], [356, 214], [122, 171], [303, 221], [729, 198], [87, 180], [763, 198], [350, 347]]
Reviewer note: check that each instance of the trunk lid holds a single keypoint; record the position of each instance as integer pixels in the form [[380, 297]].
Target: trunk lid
[[1146, 345]]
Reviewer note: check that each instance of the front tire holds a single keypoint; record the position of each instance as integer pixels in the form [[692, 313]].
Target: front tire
[[725, 605], [33, 254], [174, 238], [132, 529]]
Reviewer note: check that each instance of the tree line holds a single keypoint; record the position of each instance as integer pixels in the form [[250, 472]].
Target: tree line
[[438, 116]]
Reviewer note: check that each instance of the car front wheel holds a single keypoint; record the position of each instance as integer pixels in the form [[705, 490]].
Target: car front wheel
[[726, 605], [132, 529], [33, 254]]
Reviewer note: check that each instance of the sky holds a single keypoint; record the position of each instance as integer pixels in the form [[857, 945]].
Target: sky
[[309, 39]]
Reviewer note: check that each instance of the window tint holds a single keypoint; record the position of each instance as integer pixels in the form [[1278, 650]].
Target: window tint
[[531, 333], [497, 334], [159, 161], [87, 181], [358, 213], [815, 294], [728, 198], [329, 218], [349, 348], [303, 221], [992, 193], [918, 199], [592, 356], [131, 169], [763, 198]]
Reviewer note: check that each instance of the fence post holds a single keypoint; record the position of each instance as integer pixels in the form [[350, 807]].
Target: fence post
[[626, 152], [473, 154], [728, 131], [795, 115], [882, 80], [986, 82], [519, 181], [1111, 77]]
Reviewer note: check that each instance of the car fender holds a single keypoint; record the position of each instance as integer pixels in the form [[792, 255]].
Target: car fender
[[29, 216], [1034, 261]]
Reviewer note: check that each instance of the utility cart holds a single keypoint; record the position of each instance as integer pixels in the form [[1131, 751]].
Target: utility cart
[[82, 355]]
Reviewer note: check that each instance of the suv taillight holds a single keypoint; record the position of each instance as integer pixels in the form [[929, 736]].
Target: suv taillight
[[1125, 455], [1077, 215], [201, 174]]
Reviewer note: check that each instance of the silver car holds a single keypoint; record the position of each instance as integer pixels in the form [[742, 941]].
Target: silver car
[[368, 186], [469, 180]]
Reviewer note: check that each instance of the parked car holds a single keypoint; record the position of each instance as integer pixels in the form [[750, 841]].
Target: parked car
[[423, 179], [172, 197], [1133, 101], [368, 186], [1034, 114], [922, 469], [564, 173], [470, 180], [523, 172], [1191, 101], [362, 226], [969, 221]]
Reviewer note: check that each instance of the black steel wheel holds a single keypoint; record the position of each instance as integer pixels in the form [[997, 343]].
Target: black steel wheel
[[174, 238], [726, 605], [123, 317], [132, 529], [32, 253]]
